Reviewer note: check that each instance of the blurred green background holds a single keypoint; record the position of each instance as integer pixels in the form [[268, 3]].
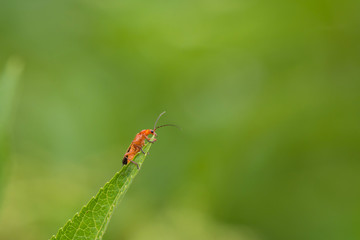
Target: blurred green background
[[266, 92]]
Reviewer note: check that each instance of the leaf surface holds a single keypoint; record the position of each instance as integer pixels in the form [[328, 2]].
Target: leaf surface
[[92, 220]]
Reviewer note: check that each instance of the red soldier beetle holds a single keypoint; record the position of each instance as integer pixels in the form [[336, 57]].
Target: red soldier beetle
[[139, 142]]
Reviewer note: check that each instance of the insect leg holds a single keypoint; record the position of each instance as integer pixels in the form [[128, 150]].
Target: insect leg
[[140, 149], [137, 165], [148, 139]]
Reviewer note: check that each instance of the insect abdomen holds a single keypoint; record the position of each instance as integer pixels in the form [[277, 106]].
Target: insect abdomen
[[125, 160]]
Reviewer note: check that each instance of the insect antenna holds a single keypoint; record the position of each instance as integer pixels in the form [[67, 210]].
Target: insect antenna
[[165, 125], [170, 125], [158, 119]]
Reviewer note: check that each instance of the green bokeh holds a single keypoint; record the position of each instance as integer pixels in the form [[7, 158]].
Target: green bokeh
[[267, 94]]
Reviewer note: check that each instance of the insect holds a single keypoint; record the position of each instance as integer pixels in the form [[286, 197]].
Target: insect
[[139, 142]]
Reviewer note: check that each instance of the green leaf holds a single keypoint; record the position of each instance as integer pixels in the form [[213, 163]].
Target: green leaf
[[8, 86], [92, 220]]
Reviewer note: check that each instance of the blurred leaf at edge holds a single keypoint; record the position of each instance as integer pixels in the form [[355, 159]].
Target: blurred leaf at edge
[[8, 85]]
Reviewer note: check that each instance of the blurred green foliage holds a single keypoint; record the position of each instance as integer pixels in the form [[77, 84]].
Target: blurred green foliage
[[267, 94], [8, 87]]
